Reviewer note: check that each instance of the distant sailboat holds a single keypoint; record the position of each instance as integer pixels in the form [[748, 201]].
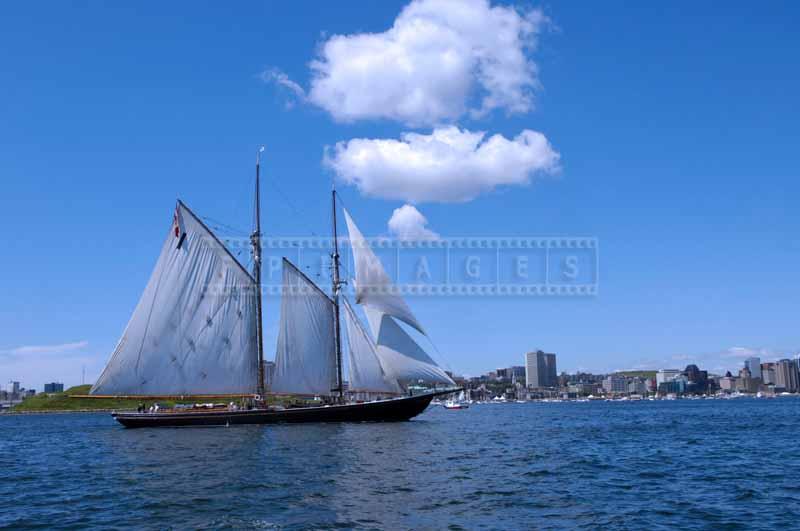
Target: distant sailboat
[[196, 332]]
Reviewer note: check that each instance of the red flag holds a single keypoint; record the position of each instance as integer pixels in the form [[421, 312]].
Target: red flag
[[177, 226]]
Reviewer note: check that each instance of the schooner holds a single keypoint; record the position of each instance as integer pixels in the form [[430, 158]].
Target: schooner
[[197, 332]]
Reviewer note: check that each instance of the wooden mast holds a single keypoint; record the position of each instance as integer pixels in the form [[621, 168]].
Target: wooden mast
[[336, 285], [255, 239]]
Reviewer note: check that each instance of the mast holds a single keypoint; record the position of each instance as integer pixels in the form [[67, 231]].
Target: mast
[[336, 285], [255, 240]]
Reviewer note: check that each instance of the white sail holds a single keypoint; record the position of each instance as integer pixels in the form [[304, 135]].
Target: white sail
[[400, 356], [366, 373], [193, 330], [374, 289], [305, 362]]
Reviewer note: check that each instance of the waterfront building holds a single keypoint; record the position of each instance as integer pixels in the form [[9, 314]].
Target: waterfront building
[[637, 386], [697, 380], [666, 375], [583, 388], [675, 386], [13, 388], [518, 374], [727, 383], [540, 369], [754, 366], [54, 387], [746, 383], [786, 376], [615, 384]]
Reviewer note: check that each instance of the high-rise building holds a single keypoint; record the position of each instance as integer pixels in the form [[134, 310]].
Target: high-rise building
[[754, 366], [540, 369], [269, 373], [786, 375], [768, 373], [13, 388], [54, 387], [550, 370]]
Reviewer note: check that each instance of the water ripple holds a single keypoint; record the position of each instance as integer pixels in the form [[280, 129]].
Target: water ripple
[[687, 464]]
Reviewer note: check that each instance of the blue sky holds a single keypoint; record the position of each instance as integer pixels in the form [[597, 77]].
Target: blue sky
[[675, 126]]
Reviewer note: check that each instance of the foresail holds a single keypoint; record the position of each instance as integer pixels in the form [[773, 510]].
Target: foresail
[[366, 373], [305, 361], [193, 330], [400, 356], [373, 286]]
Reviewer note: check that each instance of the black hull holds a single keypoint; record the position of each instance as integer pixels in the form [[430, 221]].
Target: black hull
[[393, 410]]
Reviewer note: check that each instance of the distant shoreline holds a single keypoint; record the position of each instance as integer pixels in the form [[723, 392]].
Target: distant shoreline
[[57, 411]]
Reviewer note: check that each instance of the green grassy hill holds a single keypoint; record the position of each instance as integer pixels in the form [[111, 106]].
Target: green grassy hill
[[640, 374], [63, 402]]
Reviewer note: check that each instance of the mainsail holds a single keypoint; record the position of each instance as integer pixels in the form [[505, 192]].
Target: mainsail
[[193, 330], [401, 358], [305, 362], [366, 372]]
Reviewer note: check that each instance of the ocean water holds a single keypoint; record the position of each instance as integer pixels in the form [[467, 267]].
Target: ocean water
[[704, 464]]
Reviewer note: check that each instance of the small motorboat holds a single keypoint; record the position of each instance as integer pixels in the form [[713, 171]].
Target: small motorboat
[[452, 404]]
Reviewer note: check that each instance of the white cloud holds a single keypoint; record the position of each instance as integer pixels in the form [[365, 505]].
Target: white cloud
[[408, 224], [430, 65], [448, 165], [731, 359], [37, 350], [280, 79]]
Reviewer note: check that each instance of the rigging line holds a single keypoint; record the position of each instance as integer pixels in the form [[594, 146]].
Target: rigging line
[[225, 226], [441, 356], [299, 213]]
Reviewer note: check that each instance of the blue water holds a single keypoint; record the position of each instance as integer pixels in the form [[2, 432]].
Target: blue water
[[701, 464]]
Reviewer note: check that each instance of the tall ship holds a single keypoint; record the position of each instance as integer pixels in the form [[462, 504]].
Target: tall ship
[[197, 333]]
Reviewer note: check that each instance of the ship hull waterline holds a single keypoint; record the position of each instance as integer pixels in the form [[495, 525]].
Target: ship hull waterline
[[392, 410]]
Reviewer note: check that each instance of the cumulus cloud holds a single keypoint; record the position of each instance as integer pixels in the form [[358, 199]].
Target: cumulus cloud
[[408, 224], [438, 61], [448, 165]]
